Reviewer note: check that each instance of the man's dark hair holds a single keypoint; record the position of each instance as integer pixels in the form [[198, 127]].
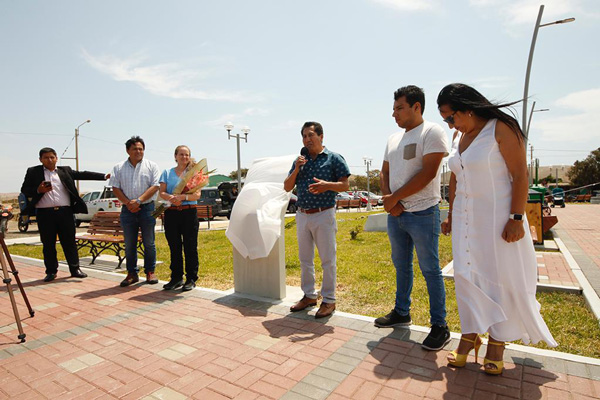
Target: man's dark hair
[[413, 94], [45, 150], [133, 140], [318, 127]]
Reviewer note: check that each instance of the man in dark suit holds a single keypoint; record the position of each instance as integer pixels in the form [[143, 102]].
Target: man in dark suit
[[53, 197]]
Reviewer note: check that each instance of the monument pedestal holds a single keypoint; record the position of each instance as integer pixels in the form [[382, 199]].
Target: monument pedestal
[[263, 277]]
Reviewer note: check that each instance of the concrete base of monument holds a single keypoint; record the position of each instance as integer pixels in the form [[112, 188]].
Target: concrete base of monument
[[263, 277], [378, 222]]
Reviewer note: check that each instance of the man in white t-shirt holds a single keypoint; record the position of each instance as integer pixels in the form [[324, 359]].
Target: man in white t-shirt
[[410, 181]]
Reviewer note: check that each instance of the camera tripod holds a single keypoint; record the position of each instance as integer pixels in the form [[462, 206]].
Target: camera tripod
[[6, 262]]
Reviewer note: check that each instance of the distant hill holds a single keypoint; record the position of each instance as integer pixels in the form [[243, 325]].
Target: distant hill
[[8, 196]]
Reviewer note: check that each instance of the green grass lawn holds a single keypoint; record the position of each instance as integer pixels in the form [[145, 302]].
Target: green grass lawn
[[366, 281]]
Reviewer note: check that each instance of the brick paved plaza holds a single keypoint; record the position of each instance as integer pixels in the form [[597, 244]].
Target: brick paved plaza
[[91, 339]]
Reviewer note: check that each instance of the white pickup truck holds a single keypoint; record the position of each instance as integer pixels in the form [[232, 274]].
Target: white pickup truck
[[98, 200]]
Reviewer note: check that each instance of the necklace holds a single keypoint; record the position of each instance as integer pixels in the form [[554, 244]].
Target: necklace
[[179, 173]]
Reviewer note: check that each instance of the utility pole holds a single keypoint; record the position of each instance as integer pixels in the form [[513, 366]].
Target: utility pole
[[76, 149], [367, 161], [531, 164]]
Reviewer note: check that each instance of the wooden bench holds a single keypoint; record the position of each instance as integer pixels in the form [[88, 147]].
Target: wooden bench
[[106, 233], [203, 212], [342, 203]]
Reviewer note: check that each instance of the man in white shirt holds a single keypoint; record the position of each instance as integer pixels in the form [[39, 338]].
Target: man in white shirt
[[53, 197], [135, 183], [411, 187]]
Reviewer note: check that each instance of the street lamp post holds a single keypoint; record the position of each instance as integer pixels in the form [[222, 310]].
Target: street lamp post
[[531, 115], [367, 162], [245, 130], [530, 60], [77, 147]]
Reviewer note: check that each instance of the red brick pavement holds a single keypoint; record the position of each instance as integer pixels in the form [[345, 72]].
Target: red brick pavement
[[91, 339], [582, 223], [553, 269]]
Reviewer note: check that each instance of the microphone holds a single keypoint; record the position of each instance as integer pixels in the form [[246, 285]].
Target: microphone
[[303, 153]]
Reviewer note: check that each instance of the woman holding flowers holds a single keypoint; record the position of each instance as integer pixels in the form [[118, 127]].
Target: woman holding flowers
[[181, 220]]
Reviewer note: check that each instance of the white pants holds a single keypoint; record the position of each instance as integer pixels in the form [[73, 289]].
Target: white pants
[[320, 229]]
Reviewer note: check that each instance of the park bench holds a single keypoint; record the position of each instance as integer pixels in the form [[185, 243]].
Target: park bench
[[106, 233], [342, 203], [204, 213]]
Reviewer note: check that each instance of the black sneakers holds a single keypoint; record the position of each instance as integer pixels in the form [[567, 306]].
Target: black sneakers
[[173, 284], [393, 319], [189, 285], [438, 337]]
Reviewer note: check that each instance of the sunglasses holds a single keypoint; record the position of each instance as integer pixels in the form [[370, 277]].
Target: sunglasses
[[450, 118]]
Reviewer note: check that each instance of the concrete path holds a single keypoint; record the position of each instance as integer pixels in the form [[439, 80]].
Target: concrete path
[[91, 339]]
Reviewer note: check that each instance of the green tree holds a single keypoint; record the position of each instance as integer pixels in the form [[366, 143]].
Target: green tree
[[233, 174], [551, 179], [360, 182], [587, 171]]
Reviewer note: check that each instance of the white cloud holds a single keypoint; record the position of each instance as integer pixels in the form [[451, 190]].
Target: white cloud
[[521, 12], [493, 82], [409, 5], [168, 79], [255, 111], [248, 112], [287, 125], [575, 128]]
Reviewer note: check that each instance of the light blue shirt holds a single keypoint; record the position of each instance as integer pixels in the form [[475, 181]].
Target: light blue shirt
[[170, 177], [134, 181]]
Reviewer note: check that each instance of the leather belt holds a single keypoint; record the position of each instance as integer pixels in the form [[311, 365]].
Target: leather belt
[[313, 210], [53, 208], [179, 208]]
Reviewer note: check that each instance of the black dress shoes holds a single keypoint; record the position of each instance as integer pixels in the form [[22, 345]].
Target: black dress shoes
[[77, 273], [49, 277]]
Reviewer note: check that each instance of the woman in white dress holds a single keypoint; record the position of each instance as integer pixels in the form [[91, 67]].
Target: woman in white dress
[[494, 259]]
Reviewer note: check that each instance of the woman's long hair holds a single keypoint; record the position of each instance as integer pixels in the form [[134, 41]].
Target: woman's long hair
[[461, 97]]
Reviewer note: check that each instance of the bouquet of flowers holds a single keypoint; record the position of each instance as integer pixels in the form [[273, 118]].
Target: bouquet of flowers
[[194, 179]]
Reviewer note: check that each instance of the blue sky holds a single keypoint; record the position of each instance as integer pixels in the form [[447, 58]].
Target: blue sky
[[176, 72]]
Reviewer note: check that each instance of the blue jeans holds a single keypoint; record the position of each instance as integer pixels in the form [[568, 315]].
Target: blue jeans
[[420, 229], [132, 223]]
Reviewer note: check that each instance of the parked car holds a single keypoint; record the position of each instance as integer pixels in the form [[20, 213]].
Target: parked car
[[342, 200], [210, 196], [98, 200], [364, 195], [343, 196]]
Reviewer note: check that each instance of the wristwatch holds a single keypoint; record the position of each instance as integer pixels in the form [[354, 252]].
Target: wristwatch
[[516, 217]]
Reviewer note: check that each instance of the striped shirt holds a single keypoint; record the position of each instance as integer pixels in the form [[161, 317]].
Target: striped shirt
[[134, 181]]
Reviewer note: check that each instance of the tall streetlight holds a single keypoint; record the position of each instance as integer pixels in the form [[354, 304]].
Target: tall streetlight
[[531, 115], [77, 147], [367, 162], [245, 130], [530, 60]]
